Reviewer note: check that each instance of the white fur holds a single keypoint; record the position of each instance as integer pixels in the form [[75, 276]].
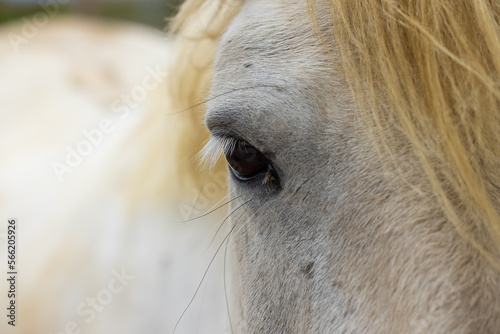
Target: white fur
[[345, 245]]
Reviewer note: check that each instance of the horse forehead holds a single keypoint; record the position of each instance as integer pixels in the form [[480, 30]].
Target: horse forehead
[[268, 32], [269, 61]]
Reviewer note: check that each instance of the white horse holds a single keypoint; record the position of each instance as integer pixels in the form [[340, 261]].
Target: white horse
[[362, 143], [362, 140]]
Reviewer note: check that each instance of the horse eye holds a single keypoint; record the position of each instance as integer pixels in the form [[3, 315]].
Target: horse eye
[[247, 163]]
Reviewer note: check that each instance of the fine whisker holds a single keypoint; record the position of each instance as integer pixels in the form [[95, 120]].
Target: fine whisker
[[206, 272], [212, 210], [225, 288], [217, 96], [221, 224], [230, 234], [201, 306]]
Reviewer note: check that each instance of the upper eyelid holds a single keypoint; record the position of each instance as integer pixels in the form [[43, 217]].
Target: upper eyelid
[[225, 132], [230, 133]]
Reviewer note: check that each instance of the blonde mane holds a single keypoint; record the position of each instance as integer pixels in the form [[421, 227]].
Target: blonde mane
[[429, 70], [196, 30]]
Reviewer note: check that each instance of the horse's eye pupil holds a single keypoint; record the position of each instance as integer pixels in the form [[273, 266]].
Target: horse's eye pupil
[[246, 161]]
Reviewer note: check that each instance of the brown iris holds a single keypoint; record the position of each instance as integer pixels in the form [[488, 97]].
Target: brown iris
[[246, 161]]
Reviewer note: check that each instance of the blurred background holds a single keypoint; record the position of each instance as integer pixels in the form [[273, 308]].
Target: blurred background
[[105, 243], [150, 12]]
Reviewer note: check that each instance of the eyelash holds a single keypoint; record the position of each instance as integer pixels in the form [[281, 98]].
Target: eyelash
[[246, 163], [216, 147]]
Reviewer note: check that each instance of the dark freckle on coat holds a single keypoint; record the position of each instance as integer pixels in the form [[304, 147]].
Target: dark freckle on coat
[[308, 270], [247, 65], [337, 284]]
